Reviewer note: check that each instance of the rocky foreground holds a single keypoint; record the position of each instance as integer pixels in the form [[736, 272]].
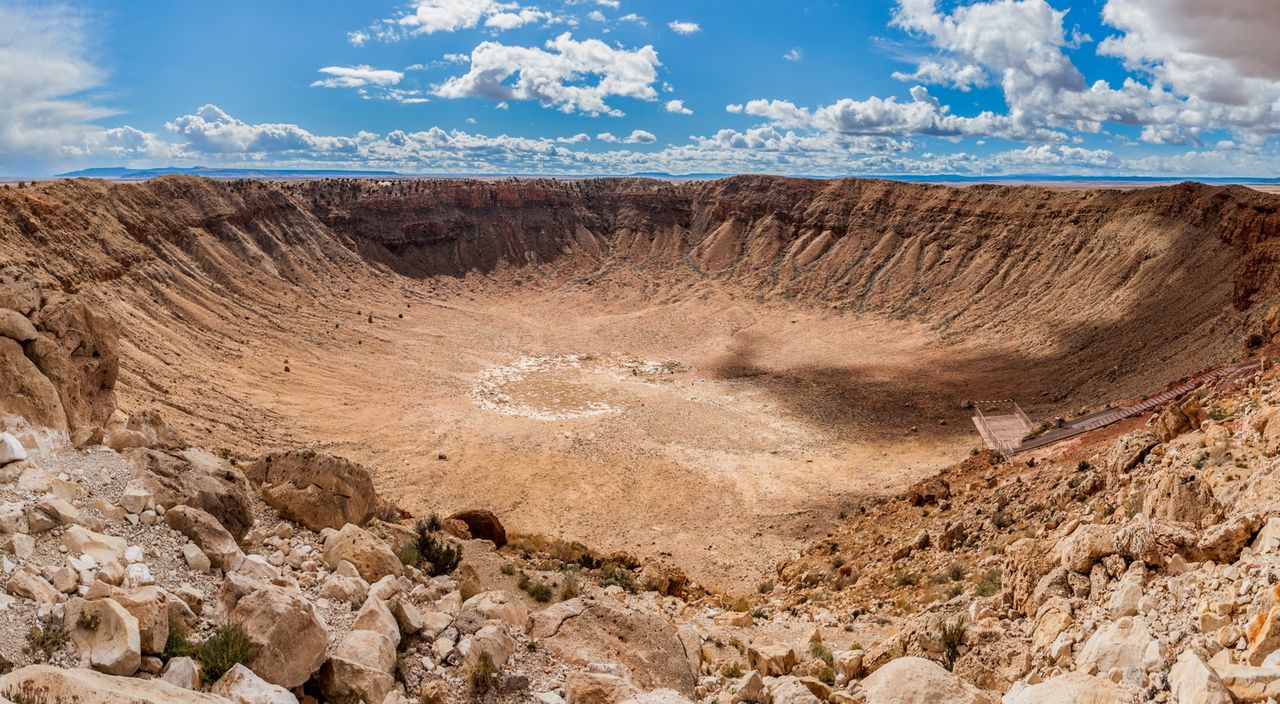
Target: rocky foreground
[[140, 569]]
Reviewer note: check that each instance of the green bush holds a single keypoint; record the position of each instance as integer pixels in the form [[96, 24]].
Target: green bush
[[989, 584], [227, 647], [540, 591], [953, 636], [178, 644], [47, 638], [443, 557]]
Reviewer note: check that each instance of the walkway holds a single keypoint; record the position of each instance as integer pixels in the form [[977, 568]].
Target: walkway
[[1099, 419]]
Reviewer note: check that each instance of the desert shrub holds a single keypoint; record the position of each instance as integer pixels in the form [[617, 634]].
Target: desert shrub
[[953, 635], [569, 588], [955, 571], [480, 673], [827, 675], [989, 584], [430, 524], [227, 647], [822, 652], [732, 671], [1083, 466], [46, 638], [906, 579], [178, 644], [611, 575], [508, 569], [765, 586], [540, 591], [442, 556], [87, 621]]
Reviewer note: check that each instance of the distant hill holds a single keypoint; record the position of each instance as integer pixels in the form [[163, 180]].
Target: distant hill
[[124, 174]]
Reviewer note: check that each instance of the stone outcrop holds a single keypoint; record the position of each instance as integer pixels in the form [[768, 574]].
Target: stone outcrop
[[195, 478], [55, 684], [78, 349], [482, 524], [106, 634], [206, 533], [315, 489], [26, 392], [910, 680], [371, 557], [289, 634]]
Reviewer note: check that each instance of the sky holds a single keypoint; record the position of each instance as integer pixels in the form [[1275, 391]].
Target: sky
[[590, 87]]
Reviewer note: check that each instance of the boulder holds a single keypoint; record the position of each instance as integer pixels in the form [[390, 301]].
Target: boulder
[[285, 627], [105, 634], [596, 688], [315, 489], [78, 348], [1177, 418], [154, 609], [19, 290], [930, 490], [198, 479], [1124, 600], [644, 641], [498, 605], [26, 392], [791, 690], [1191, 681], [1071, 688], [15, 326], [55, 684], [1119, 644], [1264, 636], [241, 686], [1223, 542], [143, 429], [11, 449], [362, 666], [370, 556], [1154, 542], [1249, 684], [1087, 544], [1182, 499], [1267, 541], [102, 548], [182, 672], [208, 535], [495, 639], [1127, 451], [911, 680], [771, 659], [32, 586], [482, 524]]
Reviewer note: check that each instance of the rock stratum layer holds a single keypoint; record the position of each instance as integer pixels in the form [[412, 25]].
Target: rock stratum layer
[[1072, 267]]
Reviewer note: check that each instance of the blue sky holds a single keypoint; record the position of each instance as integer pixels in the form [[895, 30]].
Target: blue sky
[[986, 87]]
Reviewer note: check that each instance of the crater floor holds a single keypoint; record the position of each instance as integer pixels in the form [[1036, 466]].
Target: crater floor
[[698, 424]]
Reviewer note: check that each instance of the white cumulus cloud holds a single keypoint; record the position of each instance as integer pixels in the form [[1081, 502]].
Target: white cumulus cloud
[[678, 107], [557, 76], [685, 28]]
